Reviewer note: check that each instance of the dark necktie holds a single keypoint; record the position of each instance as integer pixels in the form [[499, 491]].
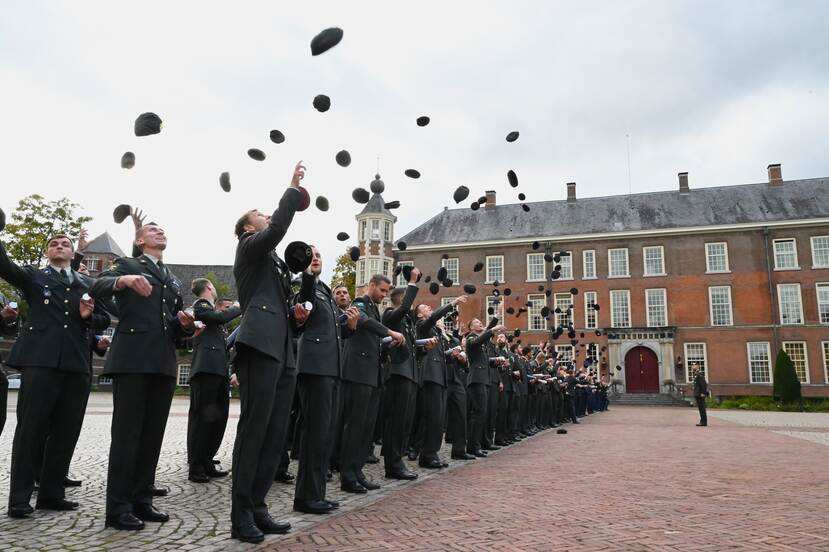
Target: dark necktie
[[64, 277]]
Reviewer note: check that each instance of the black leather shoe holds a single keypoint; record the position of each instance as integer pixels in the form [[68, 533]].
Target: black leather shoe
[[479, 453], [71, 482], [213, 471], [247, 533], [159, 491], [284, 477], [355, 488], [372, 459], [406, 475], [334, 504], [312, 506], [59, 504], [270, 526], [431, 464], [368, 485], [501, 443], [329, 476], [198, 477], [702, 425], [492, 447], [148, 512], [20, 512], [412, 455], [124, 522], [464, 456]]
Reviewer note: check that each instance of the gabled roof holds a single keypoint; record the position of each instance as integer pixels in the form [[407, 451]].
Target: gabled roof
[[375, 206], [104, 244], [701, 207]]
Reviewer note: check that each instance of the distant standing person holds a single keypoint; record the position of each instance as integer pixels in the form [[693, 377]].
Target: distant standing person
[[700, 393]]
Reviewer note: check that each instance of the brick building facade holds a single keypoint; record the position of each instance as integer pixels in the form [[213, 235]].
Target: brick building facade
[[723, 276]]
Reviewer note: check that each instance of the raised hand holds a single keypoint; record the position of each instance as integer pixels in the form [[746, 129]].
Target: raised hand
[[83, 240], [299, 174], [460, 300], [138, 217]]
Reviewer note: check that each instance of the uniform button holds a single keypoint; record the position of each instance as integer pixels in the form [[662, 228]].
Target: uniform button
[[67, 289], [31, 327], [66, 313], [132, 330], [66, 300], [165, 286], [163, 300], [65, 326]]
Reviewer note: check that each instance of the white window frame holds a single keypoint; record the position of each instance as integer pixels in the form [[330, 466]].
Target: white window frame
[[534, 312], [591, 352], [363, 230], [824, 349], [805, 379], [489, 279], [378, 235], [387, 229], [645, 249], [648, 307], [610, 263], [361, 272], [569, 256], [400, 280], [815, 264], [689, 378], [584, 255], [543, 276], [93, 263], [178, 375], [449, 325], [768, 355], [499, 310], [799, 302], [563, 319], [566, 353], [590, 312], [449, 271], [711, 306], [708, 256], [818, 289], [613, 309], [104, 380], [774, 251]]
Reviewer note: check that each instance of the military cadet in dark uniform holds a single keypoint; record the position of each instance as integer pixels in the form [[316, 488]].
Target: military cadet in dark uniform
[[52, 353], [8, 326], [361, 383], [505, 399], [319, 363], [209, 386], [570, 389], [142, 364], [456, 409], [493, 390], [264, 362], [435, 380], [401, 380], [700, 393], [478, 354], [522, 427]]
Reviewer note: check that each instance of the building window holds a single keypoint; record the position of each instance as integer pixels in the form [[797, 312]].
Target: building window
[[617, 263], [363, 230], [400, 280], [797, 352], [785, 254], [373, 266], [592, 351], [759, 362], [93, 264], [449, 322], [494, 269], [654, 259], [361, 272], [534, 319], [822, 303], [386, 269], [535, 267], [563, 302], [620, 308], [184, 375], [820, 252], [719, 301], [565, 353], [108, 332], [103, 380], [452, 269], [588, 264], [497, 307], [591, 315], [716, 257], [825, 345], [791, 308], [375, 229], [695, 352], [657, 308], [566, 264], [387, 231]]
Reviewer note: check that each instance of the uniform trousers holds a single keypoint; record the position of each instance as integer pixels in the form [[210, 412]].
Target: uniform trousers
[[318, 399], [502, 431], [266, 391], [49, 401], [433, 397], [399, 401], [360, 404], [477, 404], [207, 418], [140, 406], [456, 417], [493, 396], [4, 396]]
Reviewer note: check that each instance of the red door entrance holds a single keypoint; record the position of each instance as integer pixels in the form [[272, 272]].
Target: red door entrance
[[641, 371]]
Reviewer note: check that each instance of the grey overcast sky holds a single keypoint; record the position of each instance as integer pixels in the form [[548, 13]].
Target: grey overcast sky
[[719, 89]]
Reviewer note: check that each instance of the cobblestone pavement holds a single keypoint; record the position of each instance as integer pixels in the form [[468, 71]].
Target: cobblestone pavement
[[773, 419], [630, 479]]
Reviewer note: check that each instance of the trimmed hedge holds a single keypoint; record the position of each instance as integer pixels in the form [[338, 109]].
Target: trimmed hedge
[[786, 385]]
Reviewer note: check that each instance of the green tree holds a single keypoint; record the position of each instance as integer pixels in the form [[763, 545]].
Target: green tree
[[345, 273], [34, 221], [786, 384], [223, 289]]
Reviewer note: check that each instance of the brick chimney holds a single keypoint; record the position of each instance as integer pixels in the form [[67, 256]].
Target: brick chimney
[[490, 199], [775, 175], [571, 192], [683, 183]]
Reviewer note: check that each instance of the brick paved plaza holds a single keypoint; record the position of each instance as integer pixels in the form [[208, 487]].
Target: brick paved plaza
[[629, 479]]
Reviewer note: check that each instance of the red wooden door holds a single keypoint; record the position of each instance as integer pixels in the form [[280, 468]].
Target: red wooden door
[[641, 371]]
